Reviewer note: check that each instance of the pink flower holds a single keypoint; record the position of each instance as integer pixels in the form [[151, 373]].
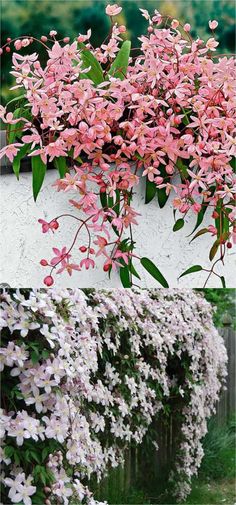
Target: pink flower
[[69, 267], [113, 10], [212, 44], [59, 256], [87, 262], [10, 151], [52, 225], [213, 24], [102, 243]]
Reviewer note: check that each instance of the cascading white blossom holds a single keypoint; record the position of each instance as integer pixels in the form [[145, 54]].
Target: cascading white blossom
[[86, 372]]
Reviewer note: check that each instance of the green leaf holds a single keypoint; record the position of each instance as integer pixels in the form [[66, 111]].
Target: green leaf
[[60, 164], [162, 197], [178, 225], [9, 451], [34, 356], [117, 204], [200, 232], [191, 270], [14, 131], [154, 271], [214, 250], [17, 160], [233, 164], [35, 456], [103, 199], [119, 66], [151, 190], [38, 171], [125, 277], [202, 212], [95, 73], [161, 192], [182, 169], [133, 271], [16, 99], [223, 282]]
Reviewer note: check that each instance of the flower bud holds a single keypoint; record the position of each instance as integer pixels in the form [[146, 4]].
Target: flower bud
[[48, 281], [44, 263], [187, 27], [83, 249]]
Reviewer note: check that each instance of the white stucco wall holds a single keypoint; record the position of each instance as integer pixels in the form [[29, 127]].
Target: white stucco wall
[[22, 244]]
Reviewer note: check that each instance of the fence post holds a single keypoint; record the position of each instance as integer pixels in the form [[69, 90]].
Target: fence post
[[227, 404]]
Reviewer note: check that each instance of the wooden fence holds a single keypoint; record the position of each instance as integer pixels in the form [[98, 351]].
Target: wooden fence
[[141, 466]]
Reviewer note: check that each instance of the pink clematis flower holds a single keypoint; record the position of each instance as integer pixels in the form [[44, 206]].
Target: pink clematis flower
[[113, 10], [59, 256], [87, 262], [10, 151]]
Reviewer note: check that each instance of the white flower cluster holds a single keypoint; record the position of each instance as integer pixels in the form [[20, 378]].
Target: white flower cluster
[[87, 372]]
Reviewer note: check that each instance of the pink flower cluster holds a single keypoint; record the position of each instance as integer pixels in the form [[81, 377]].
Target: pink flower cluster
[[113, 118], [72, 392]]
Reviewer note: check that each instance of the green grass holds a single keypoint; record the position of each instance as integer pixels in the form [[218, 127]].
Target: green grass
[[213, 492], [215, 484]]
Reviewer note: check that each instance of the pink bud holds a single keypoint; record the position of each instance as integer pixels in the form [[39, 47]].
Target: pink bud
[[1, 50], [18, 44], [54, 224], [44, 38], [213, 24], [44, 263], [8, 39], [175, 23], [8, 49], [122, 29], [187, 27], [48, 281], [83, 248], [66, 40]]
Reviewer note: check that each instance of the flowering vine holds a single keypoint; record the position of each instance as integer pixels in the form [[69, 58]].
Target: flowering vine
[[107, 116], [86, 372]]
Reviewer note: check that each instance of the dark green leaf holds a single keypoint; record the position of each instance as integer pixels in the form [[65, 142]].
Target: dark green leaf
[[233, 164], [133, 271], [117, 204], [202, 212], [200, 232], [182, 169], [95, 73], [214, 250], [60, 164], [162, 197], [154, 271], [38, 172], [191, 270], [103, 199], [178, 224], [223, 282], [17, 160], [125, 277], [14, 131], [151, 190], [119, 66]]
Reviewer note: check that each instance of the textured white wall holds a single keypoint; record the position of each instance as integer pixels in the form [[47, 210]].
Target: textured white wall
[[23, 245]]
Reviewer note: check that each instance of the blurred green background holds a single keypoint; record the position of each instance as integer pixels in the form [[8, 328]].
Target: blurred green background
[[70, 17]]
